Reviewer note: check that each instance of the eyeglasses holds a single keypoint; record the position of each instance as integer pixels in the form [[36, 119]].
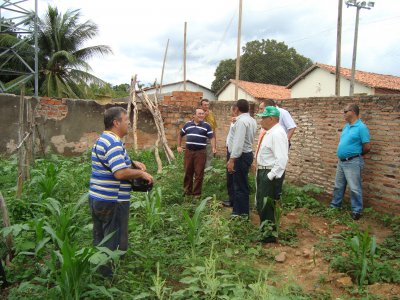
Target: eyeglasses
[[346, 111]]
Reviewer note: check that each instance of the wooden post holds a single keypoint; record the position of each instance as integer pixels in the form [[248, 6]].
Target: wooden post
[[30, 140], [163, 66], [132, 102], [184, 59], [21, 150], [6, 222], [338, 49], [238, 52]]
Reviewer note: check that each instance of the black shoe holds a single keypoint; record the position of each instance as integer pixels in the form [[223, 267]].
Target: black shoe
[[268, 240], [356, 216], [227, 203]]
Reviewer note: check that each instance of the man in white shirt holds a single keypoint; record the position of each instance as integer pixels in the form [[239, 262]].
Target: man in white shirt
[[285, 119], [272, 158]]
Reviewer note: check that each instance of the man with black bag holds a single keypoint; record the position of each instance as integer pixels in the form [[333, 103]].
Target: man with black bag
[[111, 183]]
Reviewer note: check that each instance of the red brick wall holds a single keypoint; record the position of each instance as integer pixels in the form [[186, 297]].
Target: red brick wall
[[313, 153], [49, 108]]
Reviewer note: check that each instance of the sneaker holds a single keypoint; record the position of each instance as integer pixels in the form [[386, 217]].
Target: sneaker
[[227, 203], [355, 216]]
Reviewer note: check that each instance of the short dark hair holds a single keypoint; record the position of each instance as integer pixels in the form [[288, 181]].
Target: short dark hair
[[204, 100], [355, 108], [111, 114], [243, 105], [268, 102]]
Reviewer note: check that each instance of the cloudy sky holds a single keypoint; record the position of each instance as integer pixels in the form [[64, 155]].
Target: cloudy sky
[[138, 32]]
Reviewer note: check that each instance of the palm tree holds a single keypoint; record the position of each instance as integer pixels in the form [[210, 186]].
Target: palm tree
[[63, 67]]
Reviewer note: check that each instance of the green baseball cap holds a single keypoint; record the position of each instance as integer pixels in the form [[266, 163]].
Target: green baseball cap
[[270, 111]]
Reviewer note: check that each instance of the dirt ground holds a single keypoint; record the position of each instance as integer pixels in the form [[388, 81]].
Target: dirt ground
[[304, 264]]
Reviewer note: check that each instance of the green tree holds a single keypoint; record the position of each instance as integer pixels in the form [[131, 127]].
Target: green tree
[[224, 72], [63, 67], [265, 61]]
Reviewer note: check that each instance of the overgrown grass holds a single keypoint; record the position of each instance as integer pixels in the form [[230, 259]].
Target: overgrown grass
[[178, 248]]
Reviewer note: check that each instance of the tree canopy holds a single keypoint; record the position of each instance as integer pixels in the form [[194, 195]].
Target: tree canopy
[[265, 61], [63, 67]]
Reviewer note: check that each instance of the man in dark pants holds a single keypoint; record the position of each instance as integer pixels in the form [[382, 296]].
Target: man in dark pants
[[240, 147], [110, 187], [197, 133], [272, 158]]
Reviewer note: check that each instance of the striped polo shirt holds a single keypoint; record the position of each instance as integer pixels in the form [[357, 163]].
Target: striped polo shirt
[[196, 135], [103, 185]]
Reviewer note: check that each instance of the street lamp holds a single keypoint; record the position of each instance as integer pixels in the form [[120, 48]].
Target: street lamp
[[358, 5]]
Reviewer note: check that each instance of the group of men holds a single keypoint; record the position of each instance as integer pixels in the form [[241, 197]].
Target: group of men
[[113, 170]]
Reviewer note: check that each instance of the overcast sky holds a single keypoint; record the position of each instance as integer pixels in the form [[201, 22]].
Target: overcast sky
[[137, 32]]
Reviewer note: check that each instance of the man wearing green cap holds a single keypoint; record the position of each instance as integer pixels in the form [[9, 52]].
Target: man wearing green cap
[[272, 158]]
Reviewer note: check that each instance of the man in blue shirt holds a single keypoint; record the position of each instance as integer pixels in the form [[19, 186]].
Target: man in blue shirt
[[110, 183], [197, 132], [354, 142]]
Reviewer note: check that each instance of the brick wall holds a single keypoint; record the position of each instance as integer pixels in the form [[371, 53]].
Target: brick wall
[[313, 153], [70, 127]]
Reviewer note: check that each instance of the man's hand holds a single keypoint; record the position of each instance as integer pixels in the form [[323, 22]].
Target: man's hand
[[180, 149], [146, 176], [139, 165], [230, 165], [214, 150]]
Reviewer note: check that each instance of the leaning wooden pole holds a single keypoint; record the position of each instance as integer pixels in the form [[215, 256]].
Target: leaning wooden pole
[[6, 223], [132, 102], [153, 108], [21, 150]]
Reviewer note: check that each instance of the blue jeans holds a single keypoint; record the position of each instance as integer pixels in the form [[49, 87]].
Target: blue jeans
[[241, 190], [349, 173]]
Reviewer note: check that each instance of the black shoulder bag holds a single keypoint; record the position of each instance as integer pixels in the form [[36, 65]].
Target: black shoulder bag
[[138, 185]]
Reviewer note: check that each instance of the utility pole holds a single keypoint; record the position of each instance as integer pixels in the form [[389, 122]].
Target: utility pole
[[184, 60], [359, 5], [238, 52], [338, 48], [163, 66]]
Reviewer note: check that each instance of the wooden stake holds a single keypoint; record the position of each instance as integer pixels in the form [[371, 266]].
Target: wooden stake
[[6, 222], [21, 150], [157, 155], [153, 108], [132, 102]]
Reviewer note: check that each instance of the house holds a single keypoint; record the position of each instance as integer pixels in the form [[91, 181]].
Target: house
[[252, 91], [319, 81], [191, 86]]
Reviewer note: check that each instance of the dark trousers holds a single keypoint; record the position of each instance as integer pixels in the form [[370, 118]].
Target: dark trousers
[[241, 188], [110, 217], [271, 189], [194, 165], [229, 179]]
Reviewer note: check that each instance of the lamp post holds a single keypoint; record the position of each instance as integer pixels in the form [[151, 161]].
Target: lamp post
[[359, 5]]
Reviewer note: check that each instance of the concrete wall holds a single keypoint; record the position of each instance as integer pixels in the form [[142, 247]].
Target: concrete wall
[[321, 83], [71, 126]]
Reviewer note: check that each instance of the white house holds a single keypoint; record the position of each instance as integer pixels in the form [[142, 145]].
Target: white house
[[319, 81], [191, 86], [252, 91]]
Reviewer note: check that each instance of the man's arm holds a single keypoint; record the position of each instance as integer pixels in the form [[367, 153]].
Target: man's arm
[[366, 147], [214, 144], [290, 133], [129, 174], [179, 148]]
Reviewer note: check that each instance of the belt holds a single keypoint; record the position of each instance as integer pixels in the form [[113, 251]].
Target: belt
[[263, 168], [196, 149], [349, 158]]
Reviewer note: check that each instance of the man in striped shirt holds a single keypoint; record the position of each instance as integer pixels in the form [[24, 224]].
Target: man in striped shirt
[[197, 132], [110, 183]]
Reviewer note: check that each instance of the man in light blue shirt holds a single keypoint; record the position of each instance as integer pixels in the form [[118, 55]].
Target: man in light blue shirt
[[354, 142], [240, 147]]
